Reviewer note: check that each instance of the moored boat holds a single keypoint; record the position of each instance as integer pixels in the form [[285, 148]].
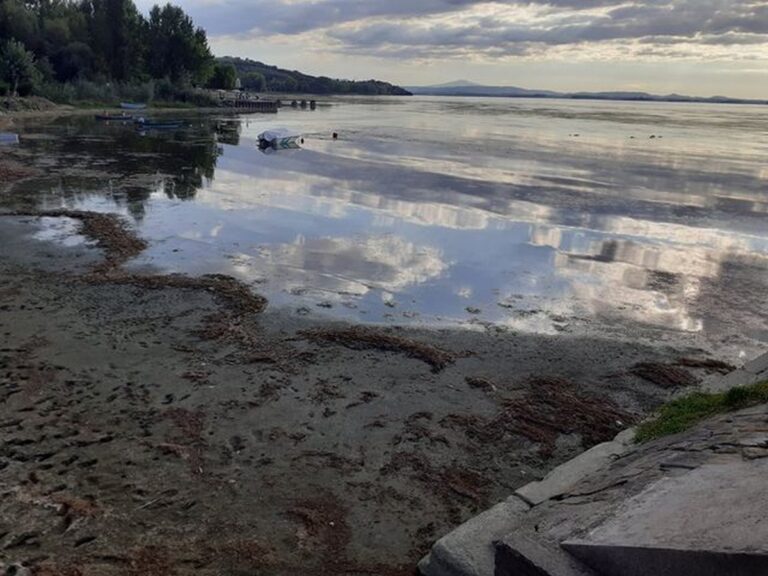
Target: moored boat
[[7, 138], [132, 106], [279, 138]]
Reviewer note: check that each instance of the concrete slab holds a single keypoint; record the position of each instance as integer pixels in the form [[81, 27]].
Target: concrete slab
[[753, 372], [736, 378], [692, 524], [644, 561], [522, 555], [758, 366], [681, 505], [565, 477], [469, 550]]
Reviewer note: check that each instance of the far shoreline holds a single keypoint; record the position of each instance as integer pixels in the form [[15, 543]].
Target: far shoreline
[[566, 98]]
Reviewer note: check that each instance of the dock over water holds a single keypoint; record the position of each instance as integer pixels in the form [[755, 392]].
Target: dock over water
[[255, 106]]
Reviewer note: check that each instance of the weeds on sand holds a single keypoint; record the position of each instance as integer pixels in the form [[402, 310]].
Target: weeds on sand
[[708, 364], [683, 413], [110, 232], [664, 375], [550, 408], [120, 243], [361, 338], [236, 295]]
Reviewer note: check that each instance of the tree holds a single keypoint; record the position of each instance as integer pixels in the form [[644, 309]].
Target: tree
[[73, 62], [224, 77], [17, 67], [17, 21], [179, 51], [115, 35], [253, 81]]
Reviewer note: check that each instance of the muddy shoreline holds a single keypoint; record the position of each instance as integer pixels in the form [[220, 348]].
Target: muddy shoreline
[[168, 424], [152, 428]]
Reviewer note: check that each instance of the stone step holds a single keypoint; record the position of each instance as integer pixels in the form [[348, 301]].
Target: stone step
[[519, 554], [650, 561], [469, 550], [709, 521]]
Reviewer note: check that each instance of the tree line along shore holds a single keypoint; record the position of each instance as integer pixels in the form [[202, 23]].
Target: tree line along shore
[[107, 51]]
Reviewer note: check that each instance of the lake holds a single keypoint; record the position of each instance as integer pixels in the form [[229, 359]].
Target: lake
[[531, 215]]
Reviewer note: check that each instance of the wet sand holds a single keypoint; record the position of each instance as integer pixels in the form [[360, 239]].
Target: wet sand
[[152, 428], [174, 425]]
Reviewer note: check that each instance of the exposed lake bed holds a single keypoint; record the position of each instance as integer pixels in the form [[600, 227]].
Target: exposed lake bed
[[482, 275]]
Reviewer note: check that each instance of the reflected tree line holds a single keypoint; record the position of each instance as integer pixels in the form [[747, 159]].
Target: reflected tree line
[[138, 164]]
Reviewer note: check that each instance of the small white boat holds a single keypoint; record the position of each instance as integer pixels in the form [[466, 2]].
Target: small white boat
[[279, 138], [8, 138], [131, 106]]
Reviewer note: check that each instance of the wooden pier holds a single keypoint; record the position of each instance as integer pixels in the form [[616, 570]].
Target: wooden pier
[[255, 106]]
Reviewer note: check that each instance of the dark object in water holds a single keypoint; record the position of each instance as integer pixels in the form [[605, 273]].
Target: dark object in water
[[335, 135], [144, 124], [123, 117]]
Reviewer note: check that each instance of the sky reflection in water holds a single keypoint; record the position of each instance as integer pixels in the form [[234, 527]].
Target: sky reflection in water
[[525, 213]]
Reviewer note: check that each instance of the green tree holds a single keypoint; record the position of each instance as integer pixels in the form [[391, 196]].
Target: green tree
[[179, 51], [74, 62], [115, 35], [17, 21], [224, 77], [17, 67], [253, 81]]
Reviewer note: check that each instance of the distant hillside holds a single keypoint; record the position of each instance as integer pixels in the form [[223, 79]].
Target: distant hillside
[[463, 88], [277, 79], [466, 89]]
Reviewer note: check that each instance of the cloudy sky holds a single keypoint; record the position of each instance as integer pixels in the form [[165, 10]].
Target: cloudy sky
[[702, 47]]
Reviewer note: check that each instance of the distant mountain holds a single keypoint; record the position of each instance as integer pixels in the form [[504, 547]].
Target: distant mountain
[[456, 84], [464, 88], [277, 79], [479, 90]]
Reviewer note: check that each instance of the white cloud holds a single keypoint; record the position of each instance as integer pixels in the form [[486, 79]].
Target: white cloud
[[428, 39]]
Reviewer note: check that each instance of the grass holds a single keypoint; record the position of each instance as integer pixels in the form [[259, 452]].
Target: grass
[[681, 414]]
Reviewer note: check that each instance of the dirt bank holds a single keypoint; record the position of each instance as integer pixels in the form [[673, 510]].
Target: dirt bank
[[10, 105], [156, 425]]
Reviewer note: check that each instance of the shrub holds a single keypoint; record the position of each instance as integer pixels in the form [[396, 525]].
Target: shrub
[[683, 413]]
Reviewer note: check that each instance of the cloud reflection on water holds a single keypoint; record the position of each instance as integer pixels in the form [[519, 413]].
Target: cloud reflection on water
[[535, 228]]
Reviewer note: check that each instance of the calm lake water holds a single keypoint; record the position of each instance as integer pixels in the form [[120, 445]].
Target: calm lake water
[[527, 213]]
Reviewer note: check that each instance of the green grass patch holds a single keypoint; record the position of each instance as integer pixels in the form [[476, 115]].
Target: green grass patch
[[683, 413]]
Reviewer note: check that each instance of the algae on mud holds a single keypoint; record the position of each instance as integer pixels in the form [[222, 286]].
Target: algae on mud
[[215, 459]]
